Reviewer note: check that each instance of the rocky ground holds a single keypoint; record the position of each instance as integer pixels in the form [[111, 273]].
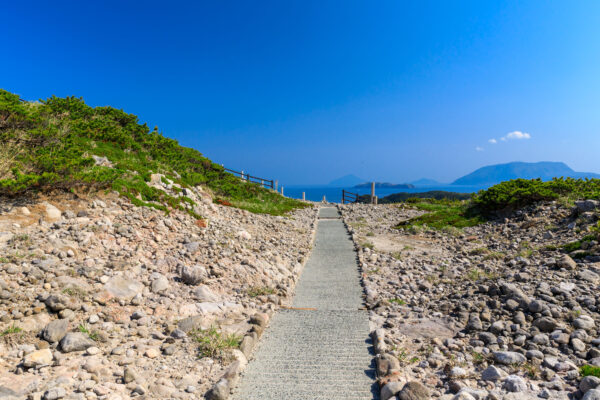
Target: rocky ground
[[103, 299], [498, 311]]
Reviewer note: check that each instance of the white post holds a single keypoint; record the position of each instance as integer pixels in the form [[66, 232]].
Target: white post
[[282, 190], [242, 175], [276, 184], [324, 200], [303, 196], [372, 192]]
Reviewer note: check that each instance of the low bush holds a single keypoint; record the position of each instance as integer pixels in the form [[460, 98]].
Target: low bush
[[50, 145]]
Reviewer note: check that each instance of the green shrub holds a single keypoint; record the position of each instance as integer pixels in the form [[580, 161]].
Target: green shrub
[[518, 193], [49, 145], [589, 370], [213, 343]]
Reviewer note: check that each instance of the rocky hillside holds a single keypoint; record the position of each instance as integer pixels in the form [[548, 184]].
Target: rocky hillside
[[505, 309], [130, 266], [100, 298]]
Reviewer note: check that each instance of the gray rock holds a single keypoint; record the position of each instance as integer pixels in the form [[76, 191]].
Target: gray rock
[[593, 394], [390, 390], [546, 324], [220, 391], [55, 393], [584, 322], [55, 330], [203, 294], [493, 374], [474, 323], [193, 274], [588, 383], [567, 262], [75, 341], [414, 391], [514, 383], [123, 288], [586, 205], [509, 357], [190, 323], [160, 284]]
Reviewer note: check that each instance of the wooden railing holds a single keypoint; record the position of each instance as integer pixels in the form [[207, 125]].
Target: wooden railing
[[266, 183], [349, 197]]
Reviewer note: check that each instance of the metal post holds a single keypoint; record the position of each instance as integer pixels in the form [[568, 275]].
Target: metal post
[[303, 196], [324, 200], [282, 190], [372, 192], [276, 184], [343, 192]]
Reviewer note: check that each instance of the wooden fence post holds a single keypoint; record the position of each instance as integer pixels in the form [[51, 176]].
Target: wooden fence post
[[372, 192], [303, 196]]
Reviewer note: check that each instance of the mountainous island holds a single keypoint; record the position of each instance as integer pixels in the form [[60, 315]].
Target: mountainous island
[[493, 174]]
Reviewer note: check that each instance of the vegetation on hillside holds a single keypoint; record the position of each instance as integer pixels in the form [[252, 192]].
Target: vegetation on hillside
[[502, 198], [50, 145], [415, 197]]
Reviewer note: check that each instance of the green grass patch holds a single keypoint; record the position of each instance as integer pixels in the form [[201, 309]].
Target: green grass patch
[[49, 145], [11, 330], [213, 343], [397, 301], [576, 245], [443, 214], [260, 291], [590, 370], [84, 328]]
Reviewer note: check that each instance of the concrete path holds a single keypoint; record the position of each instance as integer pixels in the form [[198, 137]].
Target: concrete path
[[321, 354]]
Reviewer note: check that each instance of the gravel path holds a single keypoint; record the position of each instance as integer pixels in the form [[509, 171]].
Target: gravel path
[[321, 353]]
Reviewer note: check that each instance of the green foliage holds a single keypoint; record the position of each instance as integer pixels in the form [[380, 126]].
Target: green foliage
[[10, 330], [518, 193], [84, 328], [49, 145], [260, 291], [397, 301], [416, 197], [590, 370], [213, 343], [443, 214], [576, 245]]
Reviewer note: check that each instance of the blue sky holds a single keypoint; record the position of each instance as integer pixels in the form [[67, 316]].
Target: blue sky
[[307, 91]]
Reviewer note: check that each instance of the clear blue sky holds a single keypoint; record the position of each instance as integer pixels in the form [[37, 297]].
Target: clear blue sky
[[307, 91]]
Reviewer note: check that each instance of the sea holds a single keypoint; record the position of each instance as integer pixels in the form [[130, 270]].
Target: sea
[[334, 194]]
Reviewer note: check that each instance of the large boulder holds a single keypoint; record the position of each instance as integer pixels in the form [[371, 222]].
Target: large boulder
[[123, 288], [75, 341], [193, 274], [55, 330], [414, 391], [38, 358], [509, 357]]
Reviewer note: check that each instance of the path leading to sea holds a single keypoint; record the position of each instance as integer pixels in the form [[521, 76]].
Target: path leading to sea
[[321, 352]]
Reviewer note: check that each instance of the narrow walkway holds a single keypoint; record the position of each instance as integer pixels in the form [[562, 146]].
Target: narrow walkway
[[320, 354]]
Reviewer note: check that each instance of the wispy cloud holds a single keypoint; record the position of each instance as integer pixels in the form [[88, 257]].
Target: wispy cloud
[[477, 148], [493, 141], [518, 135]]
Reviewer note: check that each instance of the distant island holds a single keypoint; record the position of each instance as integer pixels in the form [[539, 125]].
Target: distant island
[[426, 182], [386, 185], [346, 181], [546, 170]]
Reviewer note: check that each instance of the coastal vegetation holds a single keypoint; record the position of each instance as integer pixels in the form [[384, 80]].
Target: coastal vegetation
[[497, 200], [63, 143]]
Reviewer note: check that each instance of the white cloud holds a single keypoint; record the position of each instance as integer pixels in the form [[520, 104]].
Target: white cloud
[[493, 141], [478, 148], [517, 135]]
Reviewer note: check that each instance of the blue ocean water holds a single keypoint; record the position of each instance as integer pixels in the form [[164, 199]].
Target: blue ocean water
[[334, 194]]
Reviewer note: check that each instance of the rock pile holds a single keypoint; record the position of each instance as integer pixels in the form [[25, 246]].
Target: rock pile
[[103, 299], [503, 310]]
